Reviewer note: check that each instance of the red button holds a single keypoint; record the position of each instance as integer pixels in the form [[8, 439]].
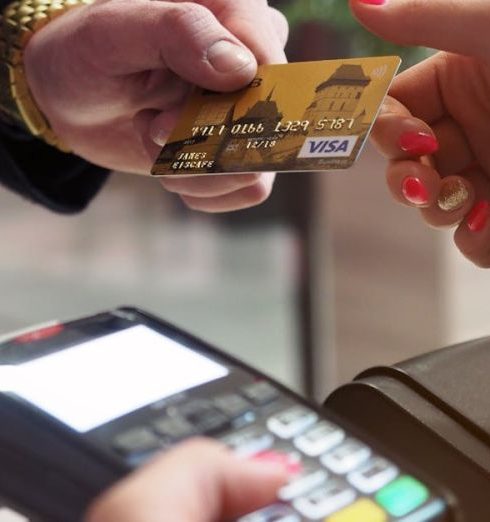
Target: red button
[[290, 462], [40, 334]]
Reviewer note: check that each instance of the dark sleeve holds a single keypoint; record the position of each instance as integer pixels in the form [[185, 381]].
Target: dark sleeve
[[61, 182]]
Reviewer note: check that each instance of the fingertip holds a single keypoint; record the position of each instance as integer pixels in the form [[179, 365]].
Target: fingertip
[[142, 122], [241, 199], [228, 57], [162, 125], [365, 10], [209, 186], [412, 183], [271, 474], [251, 484], [228, 70], [415, 191], [202, 50], [418, 142], [472, 237], [477, 219], [258, 192], [371, 2], [456, 194], [455, 199], [398, 135]]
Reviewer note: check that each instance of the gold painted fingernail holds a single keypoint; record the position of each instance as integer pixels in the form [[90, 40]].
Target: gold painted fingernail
[[453, 195]]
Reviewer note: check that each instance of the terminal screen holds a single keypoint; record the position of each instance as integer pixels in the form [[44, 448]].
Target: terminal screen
[[100, 380]]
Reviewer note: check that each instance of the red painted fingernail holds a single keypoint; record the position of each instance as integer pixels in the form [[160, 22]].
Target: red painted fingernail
[[418, 143], [414, 191], [478, 216], [373, 2]]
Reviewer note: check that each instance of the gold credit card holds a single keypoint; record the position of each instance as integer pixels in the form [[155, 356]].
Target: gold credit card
[[292, 117]]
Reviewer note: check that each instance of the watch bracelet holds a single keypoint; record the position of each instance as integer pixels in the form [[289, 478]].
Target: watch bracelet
[[19, 21]]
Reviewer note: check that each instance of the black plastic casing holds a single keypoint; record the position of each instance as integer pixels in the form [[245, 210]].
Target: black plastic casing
[[435, 411]]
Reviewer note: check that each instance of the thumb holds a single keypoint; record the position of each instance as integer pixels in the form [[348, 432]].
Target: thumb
[[458, 26], [198, 481], [127, 37]]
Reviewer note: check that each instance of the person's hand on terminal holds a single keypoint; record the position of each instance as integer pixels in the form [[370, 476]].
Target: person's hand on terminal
[[435, 127], [197, 481], [111, 79]]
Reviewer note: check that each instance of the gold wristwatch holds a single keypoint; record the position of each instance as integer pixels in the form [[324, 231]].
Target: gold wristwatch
[[18, 22]]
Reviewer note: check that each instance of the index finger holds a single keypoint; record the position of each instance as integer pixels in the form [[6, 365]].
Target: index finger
[[199, 480]]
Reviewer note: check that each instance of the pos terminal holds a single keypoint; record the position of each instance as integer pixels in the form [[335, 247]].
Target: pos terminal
[[82, 403]]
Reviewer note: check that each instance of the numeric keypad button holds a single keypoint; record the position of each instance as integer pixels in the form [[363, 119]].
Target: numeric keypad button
[[346, 457], [260, 393], [361, 510], [291, 422], [319, 439], [274, 513], [308, 479], [323, 501], [249, 441], [373, 475]]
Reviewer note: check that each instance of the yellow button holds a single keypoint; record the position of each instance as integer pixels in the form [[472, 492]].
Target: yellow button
[[363, 510]]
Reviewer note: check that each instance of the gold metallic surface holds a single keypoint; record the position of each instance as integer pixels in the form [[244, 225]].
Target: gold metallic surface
[[18, 22], [452, 196], [292, 117]]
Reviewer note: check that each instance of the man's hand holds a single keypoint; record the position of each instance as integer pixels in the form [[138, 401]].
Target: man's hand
[[198, 481], [112, 78]]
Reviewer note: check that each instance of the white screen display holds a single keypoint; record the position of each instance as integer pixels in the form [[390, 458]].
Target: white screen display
[[105, 378]]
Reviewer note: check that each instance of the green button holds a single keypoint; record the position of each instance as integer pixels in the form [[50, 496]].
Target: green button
[[402, 496]]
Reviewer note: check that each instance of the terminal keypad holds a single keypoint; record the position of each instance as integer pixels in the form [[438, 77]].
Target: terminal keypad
[[334, 477]]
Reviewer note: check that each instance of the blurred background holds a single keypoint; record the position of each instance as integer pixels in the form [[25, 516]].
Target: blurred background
[[326, 278]]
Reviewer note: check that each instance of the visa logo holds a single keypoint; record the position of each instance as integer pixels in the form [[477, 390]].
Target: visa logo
[[328, 147]]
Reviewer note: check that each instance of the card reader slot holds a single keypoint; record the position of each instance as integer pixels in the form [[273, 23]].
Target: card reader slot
[[425, 390]]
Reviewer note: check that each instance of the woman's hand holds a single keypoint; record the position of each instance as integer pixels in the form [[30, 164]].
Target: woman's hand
[[435, 127]]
